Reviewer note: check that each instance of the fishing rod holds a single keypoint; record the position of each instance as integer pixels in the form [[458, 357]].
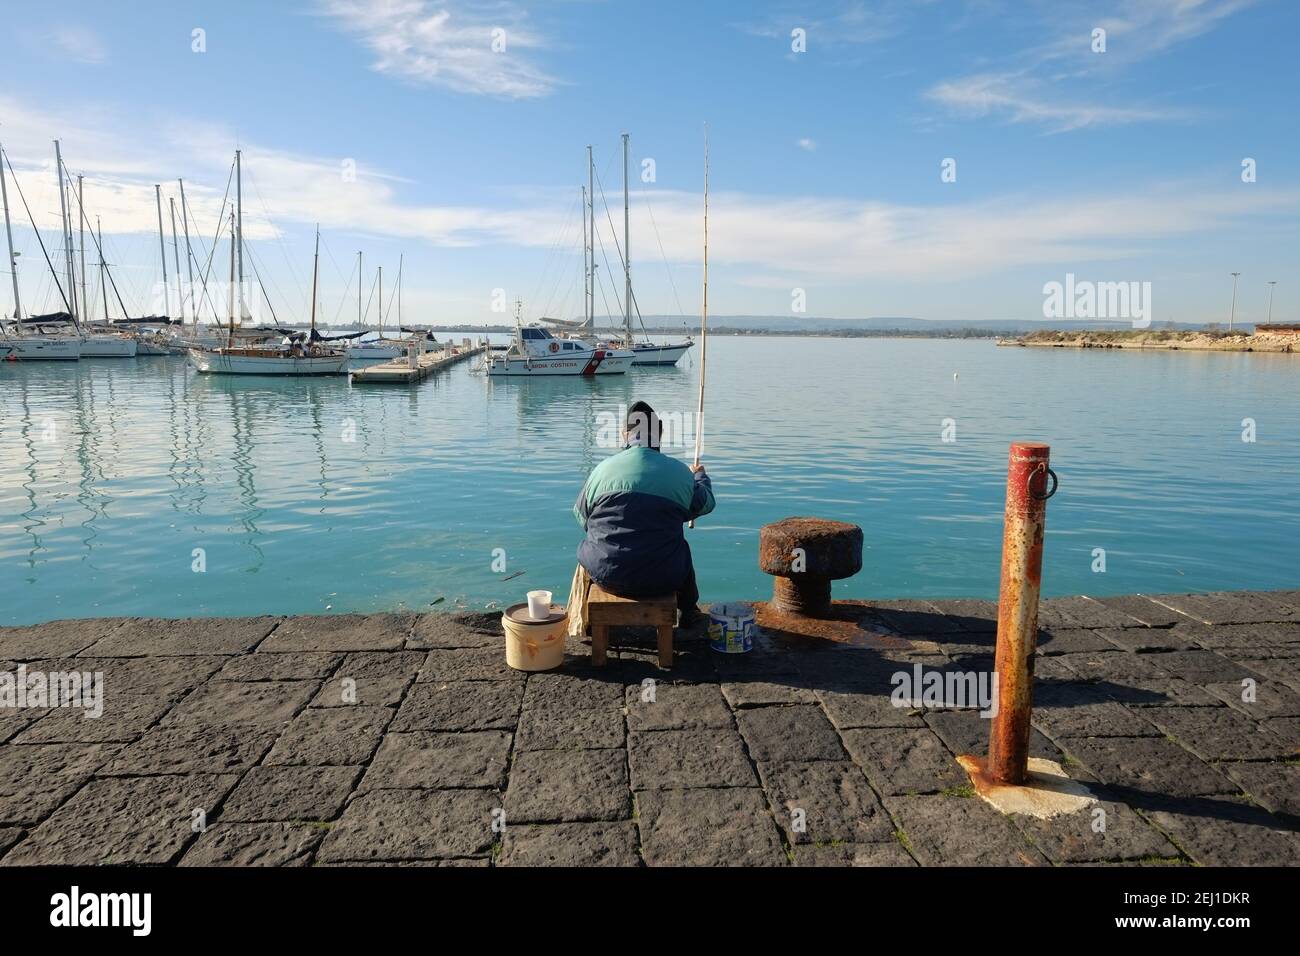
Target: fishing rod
[[704, 314]]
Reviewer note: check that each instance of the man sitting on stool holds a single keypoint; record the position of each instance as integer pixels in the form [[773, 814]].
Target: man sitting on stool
[[633, 506]]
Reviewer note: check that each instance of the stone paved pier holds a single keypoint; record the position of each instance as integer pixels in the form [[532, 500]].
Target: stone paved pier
[[403, 738]]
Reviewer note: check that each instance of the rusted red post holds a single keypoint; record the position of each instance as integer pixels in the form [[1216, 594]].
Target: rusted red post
[[1022, 567]]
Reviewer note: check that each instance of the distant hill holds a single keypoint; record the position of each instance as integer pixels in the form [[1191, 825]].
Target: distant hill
[[823, 325]]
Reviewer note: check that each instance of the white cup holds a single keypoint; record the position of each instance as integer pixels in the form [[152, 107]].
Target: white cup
[[539, 605]]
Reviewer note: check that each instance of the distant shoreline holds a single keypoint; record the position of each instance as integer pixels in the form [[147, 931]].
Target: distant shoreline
[[1159, 339]]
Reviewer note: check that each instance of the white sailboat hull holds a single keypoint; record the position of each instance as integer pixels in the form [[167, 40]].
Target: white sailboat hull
[[660, 354], [376, 352], [42, 349], [218, 363], [107, 346]]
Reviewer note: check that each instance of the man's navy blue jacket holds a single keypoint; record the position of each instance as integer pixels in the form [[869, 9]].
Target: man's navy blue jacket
[[633, 506]]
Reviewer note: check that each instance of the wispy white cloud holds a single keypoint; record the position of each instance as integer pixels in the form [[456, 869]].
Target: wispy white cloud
[[77, 43], [830, 25], [1040, 83], [806, 144], [1021, 99], [479, 49]]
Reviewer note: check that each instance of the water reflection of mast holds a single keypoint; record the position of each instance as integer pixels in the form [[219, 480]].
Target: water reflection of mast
[[241, 456], [33, 523], [88, 495]]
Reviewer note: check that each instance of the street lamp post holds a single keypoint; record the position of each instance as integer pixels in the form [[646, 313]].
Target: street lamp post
[[1232, 313]]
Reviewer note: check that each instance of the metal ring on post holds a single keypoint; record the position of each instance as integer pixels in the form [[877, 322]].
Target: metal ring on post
[[1029, 484]]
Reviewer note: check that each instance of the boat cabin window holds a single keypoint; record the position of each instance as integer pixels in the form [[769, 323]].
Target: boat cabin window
[[535, 334]]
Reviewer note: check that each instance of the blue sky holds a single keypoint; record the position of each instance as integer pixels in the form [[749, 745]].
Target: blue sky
[[825, 164]]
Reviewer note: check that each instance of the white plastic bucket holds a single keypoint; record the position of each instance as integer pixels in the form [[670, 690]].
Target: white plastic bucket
[[731, 628]]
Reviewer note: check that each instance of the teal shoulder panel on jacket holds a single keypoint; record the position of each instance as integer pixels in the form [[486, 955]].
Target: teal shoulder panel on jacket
[[645, 471]]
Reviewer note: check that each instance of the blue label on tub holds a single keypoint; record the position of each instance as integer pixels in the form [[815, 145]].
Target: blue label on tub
[[731, 630]]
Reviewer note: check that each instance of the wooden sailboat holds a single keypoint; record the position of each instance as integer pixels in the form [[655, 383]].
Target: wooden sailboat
[[296, 357]]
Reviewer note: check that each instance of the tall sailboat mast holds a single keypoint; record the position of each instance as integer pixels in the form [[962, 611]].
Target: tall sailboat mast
[[162, 251], [315, 269], [176, 258], [400, 259], [627, 257], [67, 238], [230, 336], [189, 256], [239, 230], [590, 213], [381, 301], [359, 325], [81, 208], [103, 284], [9, 236]]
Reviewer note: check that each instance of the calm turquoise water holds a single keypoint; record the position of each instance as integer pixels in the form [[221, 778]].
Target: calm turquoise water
[[112, 473]]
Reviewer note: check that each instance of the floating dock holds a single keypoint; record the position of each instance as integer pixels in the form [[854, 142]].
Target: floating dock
[[400, 371]]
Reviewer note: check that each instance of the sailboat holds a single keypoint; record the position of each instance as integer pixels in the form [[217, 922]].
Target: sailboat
[[16, 342], [379, 349], [294, 357]]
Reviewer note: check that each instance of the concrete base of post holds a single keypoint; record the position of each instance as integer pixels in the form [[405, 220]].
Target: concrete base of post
[[1047, 791]]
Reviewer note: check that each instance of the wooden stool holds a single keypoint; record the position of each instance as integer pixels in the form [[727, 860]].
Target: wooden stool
[[605, 609]]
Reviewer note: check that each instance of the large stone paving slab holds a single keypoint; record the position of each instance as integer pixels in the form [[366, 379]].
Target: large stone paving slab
[[1106, 830], [904, 760], [668, 706], [1226, 832], [675, 759], [783, 734], [125, 718], [308, 665], [440, 761], [560, 730], [825, 802], [1142, 609], [852, 854], [1220, 733], [554, 786], [320, 736], [201, 637], [124, 820], [1273, 785], [269, 794], [871, 706], [1149, 765], [161, 676], [467, 663], [35, 779], [712, 827], [397, 825], [190, 749], [255, 844], [960, 831], [456, 630], [570, 844], [460, 705], [55, 638], [242, 703], [341, 632], [371, 678]]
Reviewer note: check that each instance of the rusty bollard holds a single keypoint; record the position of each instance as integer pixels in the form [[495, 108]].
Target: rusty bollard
[[804, 555], [1022, 566]]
